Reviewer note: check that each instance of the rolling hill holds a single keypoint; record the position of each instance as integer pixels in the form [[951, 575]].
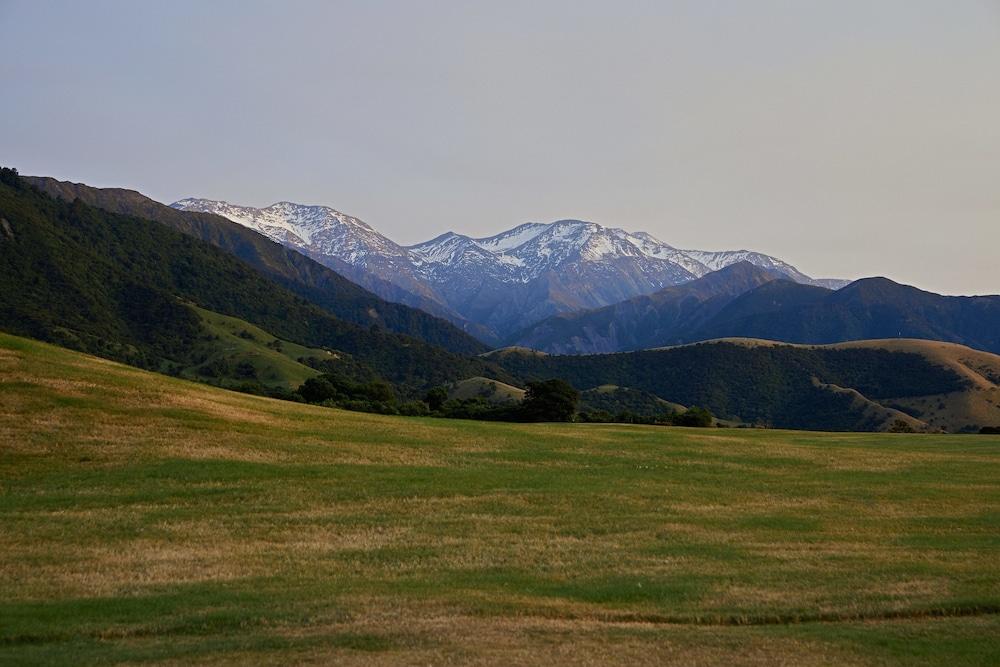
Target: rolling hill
[[871, 308], [864, 385]]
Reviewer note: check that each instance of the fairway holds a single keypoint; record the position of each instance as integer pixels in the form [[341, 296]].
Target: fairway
[[148, 519]]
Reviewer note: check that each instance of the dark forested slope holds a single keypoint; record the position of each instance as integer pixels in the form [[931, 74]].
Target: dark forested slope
[[117, 286]]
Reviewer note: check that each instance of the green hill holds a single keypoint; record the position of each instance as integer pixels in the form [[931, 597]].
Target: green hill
[[120, 286], [235, 351], [485, 388], [146, 519]]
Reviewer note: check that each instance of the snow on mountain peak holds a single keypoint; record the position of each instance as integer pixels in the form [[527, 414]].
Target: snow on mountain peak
[[316, 230], [483, 278]]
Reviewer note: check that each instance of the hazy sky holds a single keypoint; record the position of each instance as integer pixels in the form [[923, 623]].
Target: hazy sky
[[851, 138]]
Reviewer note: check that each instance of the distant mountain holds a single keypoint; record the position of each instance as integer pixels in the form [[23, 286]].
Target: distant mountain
[[872, 308], [750, 302], [318, 284], [503, 283], [663, 318], [865, 385], [336, 240], [130, 289]]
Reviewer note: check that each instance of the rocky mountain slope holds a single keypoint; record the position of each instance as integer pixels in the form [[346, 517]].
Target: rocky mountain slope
[[503, 282]]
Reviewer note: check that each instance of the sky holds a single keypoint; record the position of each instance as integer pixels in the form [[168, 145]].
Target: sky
[[851, 138]]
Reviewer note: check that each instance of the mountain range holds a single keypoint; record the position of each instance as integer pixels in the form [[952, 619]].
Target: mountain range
[[747, 301], [194, 294], [493, 286]]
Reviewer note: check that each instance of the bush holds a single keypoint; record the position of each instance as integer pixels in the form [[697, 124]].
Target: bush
[[595, 417], [245, 370], [414, 409], [283, 394], [317, 390], [900, 426], [694, 416], [218, 368]]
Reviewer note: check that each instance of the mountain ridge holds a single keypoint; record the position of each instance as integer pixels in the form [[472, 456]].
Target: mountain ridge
[[773, 308], [503, 282]]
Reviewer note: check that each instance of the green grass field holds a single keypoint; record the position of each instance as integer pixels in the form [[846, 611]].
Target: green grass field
[[148, 519]]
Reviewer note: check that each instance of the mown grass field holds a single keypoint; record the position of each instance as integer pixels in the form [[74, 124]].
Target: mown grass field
[[147, 519]]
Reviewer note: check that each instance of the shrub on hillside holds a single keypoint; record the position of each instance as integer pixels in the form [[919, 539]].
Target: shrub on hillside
[[694, 416], [900, 426]]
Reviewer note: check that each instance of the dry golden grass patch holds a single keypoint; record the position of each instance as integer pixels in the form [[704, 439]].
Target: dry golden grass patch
[[443, 637]]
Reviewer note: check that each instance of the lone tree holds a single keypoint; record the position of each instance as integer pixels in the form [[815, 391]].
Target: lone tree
[[550, 401], [435, 398]]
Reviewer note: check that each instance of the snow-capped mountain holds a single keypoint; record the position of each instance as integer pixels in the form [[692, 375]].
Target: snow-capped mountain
[[339, 241], [503, 282]]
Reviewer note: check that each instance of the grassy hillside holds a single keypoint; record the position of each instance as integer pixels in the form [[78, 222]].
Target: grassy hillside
[[487, 389], [148, 519], [975, 404], [236, 350]]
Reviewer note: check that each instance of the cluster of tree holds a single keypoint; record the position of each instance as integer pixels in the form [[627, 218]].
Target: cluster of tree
[[695, 416], [550, 400], [900, 426]]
